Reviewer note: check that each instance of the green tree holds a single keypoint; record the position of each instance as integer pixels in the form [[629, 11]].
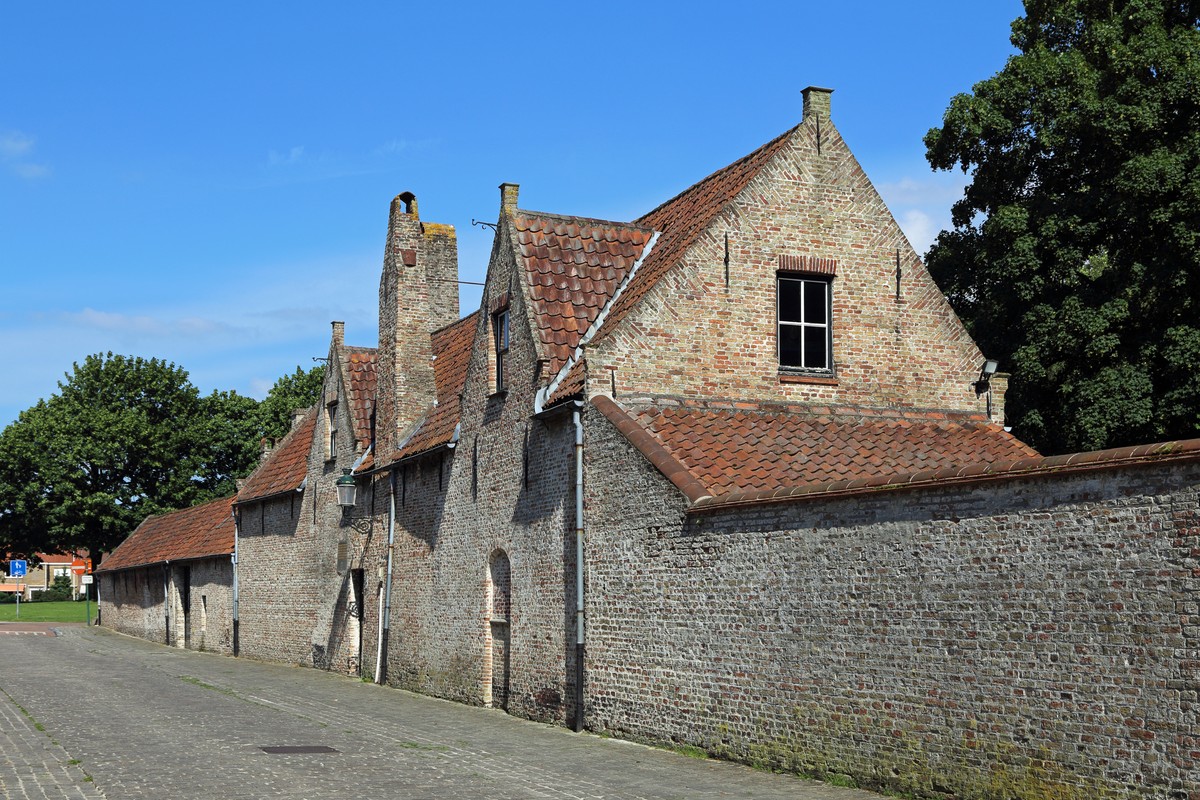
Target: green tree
[[84, 468], [124, 438], [1075, 252], [227, 435], [301, 389]]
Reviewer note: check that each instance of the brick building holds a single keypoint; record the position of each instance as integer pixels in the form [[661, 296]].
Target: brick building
[[730, 475], [171, 581]]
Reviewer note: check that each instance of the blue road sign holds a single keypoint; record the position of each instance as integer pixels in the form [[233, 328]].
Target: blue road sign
[[16, 569]]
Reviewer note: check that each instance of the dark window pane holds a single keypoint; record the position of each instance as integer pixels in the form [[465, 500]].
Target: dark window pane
[[789, 346], [814, 348], [789, 300], [814, 302]]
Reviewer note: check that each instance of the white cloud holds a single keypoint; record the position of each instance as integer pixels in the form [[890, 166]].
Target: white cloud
[[937, 189], [14, 144], [142, 326], [920, 228], [393, 146], [15, 149], [292, 156]]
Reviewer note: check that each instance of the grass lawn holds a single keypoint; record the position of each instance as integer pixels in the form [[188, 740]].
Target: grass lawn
[[65, 611]]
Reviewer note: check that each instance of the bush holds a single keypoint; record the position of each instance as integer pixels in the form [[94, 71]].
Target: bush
[[59, 590]]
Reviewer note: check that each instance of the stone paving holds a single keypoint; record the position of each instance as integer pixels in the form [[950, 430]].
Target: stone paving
[[92, 714]]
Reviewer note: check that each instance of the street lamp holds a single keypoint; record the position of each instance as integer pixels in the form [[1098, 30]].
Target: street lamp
[[347, 490]]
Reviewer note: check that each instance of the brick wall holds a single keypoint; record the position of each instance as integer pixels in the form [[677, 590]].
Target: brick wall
[[505, 487], [132, 602], [1027, 638], [906, 352]]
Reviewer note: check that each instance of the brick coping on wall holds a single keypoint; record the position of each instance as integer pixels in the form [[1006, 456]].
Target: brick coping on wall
[[702, 501]]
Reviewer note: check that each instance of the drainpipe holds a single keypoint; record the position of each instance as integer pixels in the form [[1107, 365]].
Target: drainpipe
[[236, 533], [385, 599], [167, 601], [578, 566]]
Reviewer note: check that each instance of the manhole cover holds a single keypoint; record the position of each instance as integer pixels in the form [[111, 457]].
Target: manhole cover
[[298, 748]]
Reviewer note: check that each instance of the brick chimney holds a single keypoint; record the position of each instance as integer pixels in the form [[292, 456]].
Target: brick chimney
[[418, 294], [816, 102]]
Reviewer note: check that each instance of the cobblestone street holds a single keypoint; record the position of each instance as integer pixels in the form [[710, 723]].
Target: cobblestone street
[[92, 714]]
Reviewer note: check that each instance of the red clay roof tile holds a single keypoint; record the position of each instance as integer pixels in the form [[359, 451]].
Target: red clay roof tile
[[198, 532], [766, 447], [452, 355], [683, 218], [285, 467], [361, 379], [574, 267]]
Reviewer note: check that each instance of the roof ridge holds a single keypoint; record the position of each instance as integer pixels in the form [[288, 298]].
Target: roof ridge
[[681, 220], [717, 173], [576, 218]]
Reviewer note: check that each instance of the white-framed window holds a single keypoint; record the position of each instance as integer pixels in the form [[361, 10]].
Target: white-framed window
[[805, 329]]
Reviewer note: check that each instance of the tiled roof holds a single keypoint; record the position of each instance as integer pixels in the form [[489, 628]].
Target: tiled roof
[[197, 532], [1144, 455], [360, 366], [683, 218], [451, 355], [286, 465], [747, 447], [571, 384], [574, 267]]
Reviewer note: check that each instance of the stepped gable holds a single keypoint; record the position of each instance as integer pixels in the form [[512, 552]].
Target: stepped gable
[[201, 531], [361, 383], [682, 219], [574, 266], [747, 447], [285, 467], [451, 357]]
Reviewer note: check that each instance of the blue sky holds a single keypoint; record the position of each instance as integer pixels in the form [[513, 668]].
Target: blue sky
[[209, 183]]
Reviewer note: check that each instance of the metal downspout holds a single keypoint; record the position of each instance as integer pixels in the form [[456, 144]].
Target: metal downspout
[[167, 602], [385, 617], [236, 533], [579, 650]]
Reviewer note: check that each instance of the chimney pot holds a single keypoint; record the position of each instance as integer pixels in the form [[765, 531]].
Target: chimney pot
[[408, 201]]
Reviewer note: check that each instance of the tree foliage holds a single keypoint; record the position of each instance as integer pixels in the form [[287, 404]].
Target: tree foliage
[[82, 469], [291, 392], [1075, 252], [124, 438]]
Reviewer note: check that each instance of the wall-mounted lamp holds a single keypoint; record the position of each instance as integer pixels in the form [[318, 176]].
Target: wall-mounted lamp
[[985, 376], [347, 490]]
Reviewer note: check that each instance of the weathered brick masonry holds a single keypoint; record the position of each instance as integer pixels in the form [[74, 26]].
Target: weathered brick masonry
[[1027, 637], [171, 581], [760, 578]]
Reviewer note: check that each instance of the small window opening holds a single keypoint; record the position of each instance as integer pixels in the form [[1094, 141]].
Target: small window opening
[[805, 333], [500, 347], [331, 429]]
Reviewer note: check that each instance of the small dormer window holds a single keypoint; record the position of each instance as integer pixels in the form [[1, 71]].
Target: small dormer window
[[500, 345]]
